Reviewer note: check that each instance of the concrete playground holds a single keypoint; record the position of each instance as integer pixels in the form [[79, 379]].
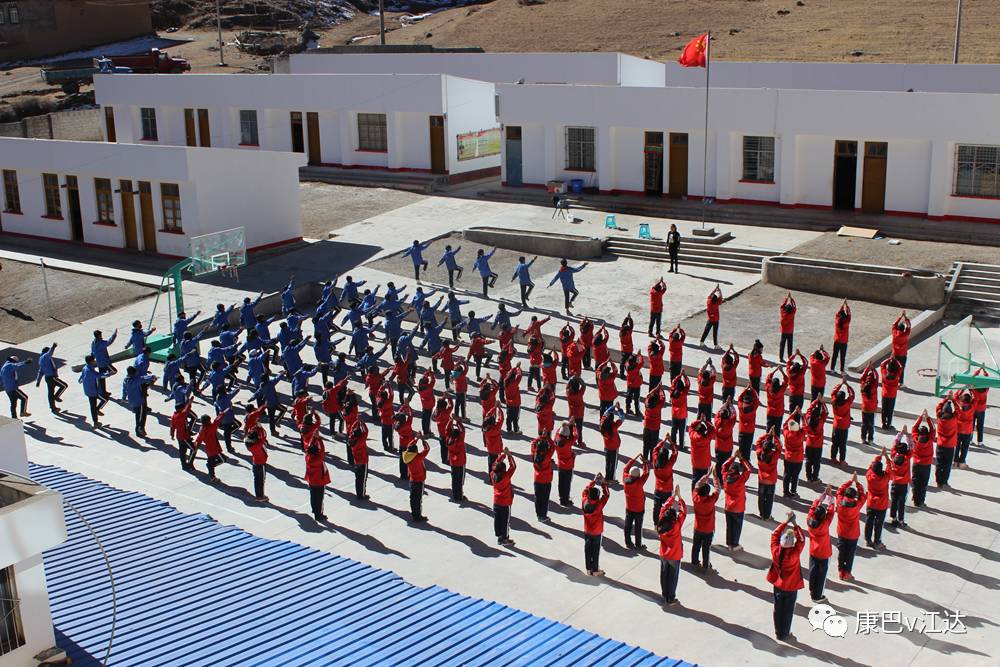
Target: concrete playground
[[943, 563]]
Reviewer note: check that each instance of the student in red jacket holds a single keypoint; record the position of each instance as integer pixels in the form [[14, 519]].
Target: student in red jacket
[[818, 361], [712, 304], [317, 476], [796, 367], [455, 441], [180, 431], [492, 437], [706, 389], [841, 334], [402, 422], [654, 352], [901, 342], [357, 441], [730, 362], [600, 346], [664, 457], [947, 439], [775, 386], [633, 382], [256, 441], [878, 478], [611, 421], [565, 438], [815, 424], [675, 345], [966, 425], [701, 433], [415, 459], [594, 497], [923, 434], [668, 526], [820, 516], [567, 335], [576, 390], [586, 340], [443, 409], [755, 364], [634, 485], [607, 391], [768, 454], [542, 451], [512, 394], [747, 415], [735, 473], [501, 475], [785, 574], [840, 400], [706, 493], [208, 438], [851, 499], [425, 389], [651, 419], [679, 389], [724, 423], [899, 474], [545, 401], [625, 339], [982, 395], [386, 409], [794, 454], [891, 373], [656, 293], [869, 404], [786, 323]]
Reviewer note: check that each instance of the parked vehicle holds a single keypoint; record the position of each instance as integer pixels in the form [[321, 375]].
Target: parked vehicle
[[154, 62]]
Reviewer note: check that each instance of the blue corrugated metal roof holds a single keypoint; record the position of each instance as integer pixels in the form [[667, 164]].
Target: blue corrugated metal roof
[[183, 599]]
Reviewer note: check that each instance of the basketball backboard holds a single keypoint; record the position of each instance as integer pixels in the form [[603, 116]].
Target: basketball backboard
[[225, 249]]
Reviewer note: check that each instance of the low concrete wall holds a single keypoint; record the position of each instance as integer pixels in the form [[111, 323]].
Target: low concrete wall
[[537, 243], [76, 125], [887, 285], [881, 350]]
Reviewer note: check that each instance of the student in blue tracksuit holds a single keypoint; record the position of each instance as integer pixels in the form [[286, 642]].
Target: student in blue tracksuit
[[419, 298], [455, 313], [267, 395], [8, 378], [92, 378], [523, 276], [248, 318], [448, 259], [99, 350], [47, 369], [482, 265], [394, 327], [350, 292], [181, 325], [393, 295], [473, 324], [221, 317], [565, 276], [137, 339], [416, 253], [288, 297], [224, 406], [133, 395], [191, 359], [501, 321]]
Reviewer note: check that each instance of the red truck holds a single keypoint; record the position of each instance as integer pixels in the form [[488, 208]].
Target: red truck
[[154, 62]]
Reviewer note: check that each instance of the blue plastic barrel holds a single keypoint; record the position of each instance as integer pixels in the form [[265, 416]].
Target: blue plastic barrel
[[576, 186]]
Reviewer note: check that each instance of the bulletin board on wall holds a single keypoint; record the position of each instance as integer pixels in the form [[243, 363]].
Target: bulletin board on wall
[[483, 143]]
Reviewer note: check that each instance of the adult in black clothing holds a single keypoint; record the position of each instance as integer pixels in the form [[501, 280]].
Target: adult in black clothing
[[673, 247]]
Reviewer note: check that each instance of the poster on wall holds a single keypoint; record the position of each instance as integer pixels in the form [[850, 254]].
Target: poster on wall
[[483, 143]]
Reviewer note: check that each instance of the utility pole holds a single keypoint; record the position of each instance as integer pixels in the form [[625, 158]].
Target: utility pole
[[381, 22], [958, 31], [218, 26]]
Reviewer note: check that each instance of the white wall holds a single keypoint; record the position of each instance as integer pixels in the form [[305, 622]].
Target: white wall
[[470, 107], [36, 616], [641, 72]]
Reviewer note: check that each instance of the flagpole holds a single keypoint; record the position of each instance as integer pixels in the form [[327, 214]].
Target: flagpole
[[704, 166]]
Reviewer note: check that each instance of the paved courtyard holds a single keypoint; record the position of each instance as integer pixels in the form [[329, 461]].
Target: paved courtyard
[[944, 562]]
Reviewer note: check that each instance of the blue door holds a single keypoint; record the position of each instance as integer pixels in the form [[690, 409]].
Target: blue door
[[514, 155]]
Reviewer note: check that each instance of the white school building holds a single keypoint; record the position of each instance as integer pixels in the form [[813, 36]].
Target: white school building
[[146, 198], [401, 122]]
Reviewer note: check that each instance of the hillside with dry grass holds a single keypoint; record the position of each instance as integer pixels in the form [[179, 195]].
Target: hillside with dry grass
[[818, 30]]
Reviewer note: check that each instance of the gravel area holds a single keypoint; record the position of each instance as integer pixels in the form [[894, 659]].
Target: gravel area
[[908, 254], [327, 207], [24, 312], [753, 313]]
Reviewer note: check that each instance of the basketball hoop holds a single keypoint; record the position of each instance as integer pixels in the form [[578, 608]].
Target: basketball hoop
[[231, 271], [927, 372]]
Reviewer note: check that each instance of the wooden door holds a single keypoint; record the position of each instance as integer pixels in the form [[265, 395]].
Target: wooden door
[[873, 177], [437, 144], [75, 213], [148, 221], [190, 137], [109, 124], [298, 137], [513, 158], [678, 185], [128, 215], [204, 130], [653, 164], [312, 129], [845, 174]]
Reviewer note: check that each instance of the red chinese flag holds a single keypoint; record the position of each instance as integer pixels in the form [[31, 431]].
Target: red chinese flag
[[695, 54]]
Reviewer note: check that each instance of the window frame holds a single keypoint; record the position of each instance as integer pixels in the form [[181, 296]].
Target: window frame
[[11, 192], [52, 196], [147, 122], [11, 623], [249, 128], [173, 221], [3, 15], [757, 169], [105, 200], [14, 15], [975, 187], [579, 161], [373, 135]]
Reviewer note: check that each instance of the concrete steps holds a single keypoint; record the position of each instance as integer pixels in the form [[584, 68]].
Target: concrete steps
[[375, 178], [731, 258], [977, 291]]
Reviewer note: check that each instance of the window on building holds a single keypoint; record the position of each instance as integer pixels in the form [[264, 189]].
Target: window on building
[[758, 159], [11, 630], [14, 14], [977, 171], [105, 205], [53, 204], [580, 152], [248, 128], [148, 116], [11, 194], [3, 16], [372, 134], [170, 194]]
